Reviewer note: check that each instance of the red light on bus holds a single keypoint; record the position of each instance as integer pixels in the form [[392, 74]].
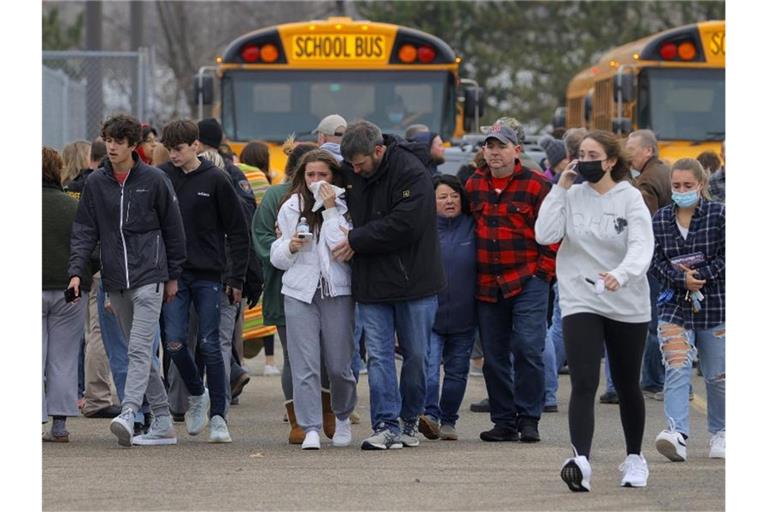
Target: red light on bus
[[668, 51], [250, 53], [426, 54], [407, 53], [269, 53], [687, 51]]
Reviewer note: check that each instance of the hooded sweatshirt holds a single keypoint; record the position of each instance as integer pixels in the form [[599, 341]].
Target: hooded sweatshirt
[[610, 233], [210, 209]]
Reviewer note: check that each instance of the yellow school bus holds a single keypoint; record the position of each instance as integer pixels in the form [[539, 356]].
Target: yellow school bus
[[284, 79], [672, 83]]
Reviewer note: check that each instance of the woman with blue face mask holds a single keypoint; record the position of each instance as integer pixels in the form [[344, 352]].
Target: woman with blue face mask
[[689, 261]]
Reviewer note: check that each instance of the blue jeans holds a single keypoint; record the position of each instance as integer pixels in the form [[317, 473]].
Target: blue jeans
[[609, 387], [412, 320], [117, 350], [515, 326], [357, 336], [679, 347], [453, 352], [652, 376], [205, 295], [554, 352]]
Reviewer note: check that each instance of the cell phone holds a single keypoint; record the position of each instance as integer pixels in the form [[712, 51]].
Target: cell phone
[[70, 295], [305, 236]]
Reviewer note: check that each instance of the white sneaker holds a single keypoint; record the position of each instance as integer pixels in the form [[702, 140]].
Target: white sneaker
[[671, 444], [343, 434], [196, 417], [311, 441], [122, 427], [160, 433], [635, 471], [219, 432], [576, 473], [270, 370], [717, 446]]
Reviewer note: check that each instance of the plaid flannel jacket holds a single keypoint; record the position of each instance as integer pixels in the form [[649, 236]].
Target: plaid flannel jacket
[[507, 252], [706, 234]]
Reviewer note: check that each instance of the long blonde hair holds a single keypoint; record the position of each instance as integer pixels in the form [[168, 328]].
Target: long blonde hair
[[693, 165], [76, 157]]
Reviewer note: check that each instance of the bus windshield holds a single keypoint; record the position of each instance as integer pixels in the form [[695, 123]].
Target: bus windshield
[[270, 105], [682, 104]]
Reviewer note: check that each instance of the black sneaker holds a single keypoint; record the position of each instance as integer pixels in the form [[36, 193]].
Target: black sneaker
[[499, 434], [609, 397], [529, 429], [482, 406], [178, 417]]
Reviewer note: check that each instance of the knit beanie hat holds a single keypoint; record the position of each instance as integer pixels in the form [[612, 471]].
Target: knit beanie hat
[[425, 138], [210, 132], [555, 150]]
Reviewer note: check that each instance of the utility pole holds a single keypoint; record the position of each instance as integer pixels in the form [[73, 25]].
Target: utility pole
[[93, 73], [137, 38]]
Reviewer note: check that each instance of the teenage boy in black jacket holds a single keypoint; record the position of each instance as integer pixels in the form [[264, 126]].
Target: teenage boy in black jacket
[[396, 273], [211, 211], [132, 210]]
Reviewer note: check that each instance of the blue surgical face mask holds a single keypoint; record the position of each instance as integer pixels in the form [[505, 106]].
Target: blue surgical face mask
[[686, 199]]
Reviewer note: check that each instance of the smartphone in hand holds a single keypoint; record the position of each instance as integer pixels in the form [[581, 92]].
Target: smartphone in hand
[[70, 295]]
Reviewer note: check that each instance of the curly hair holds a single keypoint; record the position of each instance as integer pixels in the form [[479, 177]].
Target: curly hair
[[52, 165], [122, 126]]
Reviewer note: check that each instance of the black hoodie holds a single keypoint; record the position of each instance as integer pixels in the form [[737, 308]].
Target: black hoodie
[[211, 210]]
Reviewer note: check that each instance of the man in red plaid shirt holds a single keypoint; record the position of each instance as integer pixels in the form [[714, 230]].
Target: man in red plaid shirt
[[512, 285]]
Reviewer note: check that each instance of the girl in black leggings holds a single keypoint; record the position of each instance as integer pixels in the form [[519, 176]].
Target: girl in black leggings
[[606, 249]]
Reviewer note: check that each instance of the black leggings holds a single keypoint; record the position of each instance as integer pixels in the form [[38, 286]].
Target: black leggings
[[585, 334]]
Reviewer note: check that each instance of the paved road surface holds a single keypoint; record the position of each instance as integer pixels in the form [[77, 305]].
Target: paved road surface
[[259, 470]]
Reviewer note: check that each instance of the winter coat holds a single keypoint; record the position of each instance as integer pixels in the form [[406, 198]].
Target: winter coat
[[397, 253], [138, 224], [304, 268]]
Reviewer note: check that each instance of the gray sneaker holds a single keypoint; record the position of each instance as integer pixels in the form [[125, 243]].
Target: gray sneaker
[[196, 417], [429, 426], [448, 432], [383, 439], [408, 435], [161, 432], [122, 427], [219, 432]]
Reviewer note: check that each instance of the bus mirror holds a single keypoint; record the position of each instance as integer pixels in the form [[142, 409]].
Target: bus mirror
[[558, 119], [624, 83], [622, 125], [474, 108], [203, 91]]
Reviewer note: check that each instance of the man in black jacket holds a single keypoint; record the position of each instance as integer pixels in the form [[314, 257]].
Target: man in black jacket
[[132, 210], [210, 210], [396, 273]]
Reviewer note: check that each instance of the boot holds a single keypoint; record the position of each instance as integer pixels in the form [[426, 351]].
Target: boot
[[329, 419], [297, 433]]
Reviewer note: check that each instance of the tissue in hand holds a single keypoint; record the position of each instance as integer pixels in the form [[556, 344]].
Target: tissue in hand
[[315, 189]]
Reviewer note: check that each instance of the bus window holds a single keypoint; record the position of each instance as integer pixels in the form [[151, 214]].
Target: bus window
[[682, 104], [273, 104]]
